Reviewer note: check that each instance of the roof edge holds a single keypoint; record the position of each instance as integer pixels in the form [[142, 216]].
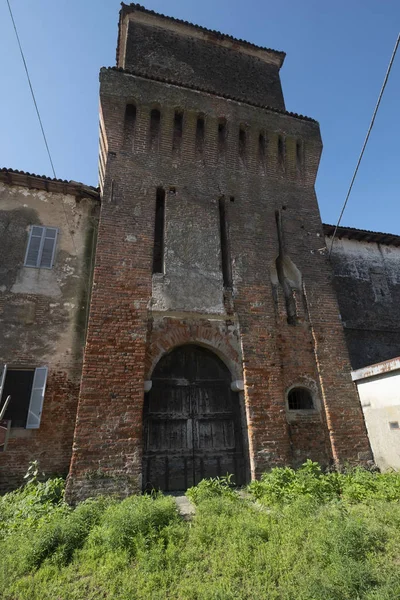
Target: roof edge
[[139, 73], [133, 7], [365, 235], [386, 366], [48, 184]]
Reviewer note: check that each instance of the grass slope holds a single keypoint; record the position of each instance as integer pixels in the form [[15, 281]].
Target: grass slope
[[299, 535]]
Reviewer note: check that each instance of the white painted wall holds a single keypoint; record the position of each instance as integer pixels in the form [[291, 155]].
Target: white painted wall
[[380, 401]]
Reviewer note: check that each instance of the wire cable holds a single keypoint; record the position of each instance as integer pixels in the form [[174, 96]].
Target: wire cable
[[31, 88], [43, 133], [366, 140]]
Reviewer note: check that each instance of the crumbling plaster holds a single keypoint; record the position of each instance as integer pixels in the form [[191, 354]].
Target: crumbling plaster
[[41, 310], [367, 278]]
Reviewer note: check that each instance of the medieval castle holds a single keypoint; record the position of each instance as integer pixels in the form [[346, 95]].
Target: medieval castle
[[186, 321]]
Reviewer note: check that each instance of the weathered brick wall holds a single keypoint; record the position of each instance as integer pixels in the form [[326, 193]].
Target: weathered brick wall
[[43, 314], [175, 55], [368, 289], [124, 333]]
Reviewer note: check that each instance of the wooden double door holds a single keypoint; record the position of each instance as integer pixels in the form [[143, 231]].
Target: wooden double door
[[192, 422]]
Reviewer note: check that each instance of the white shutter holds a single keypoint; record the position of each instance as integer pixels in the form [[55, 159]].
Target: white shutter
[[48, 247], [33, 250], [41, 247], [37, 397], [2, 380]]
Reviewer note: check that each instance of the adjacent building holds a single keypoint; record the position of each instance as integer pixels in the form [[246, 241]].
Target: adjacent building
[[47, 241]]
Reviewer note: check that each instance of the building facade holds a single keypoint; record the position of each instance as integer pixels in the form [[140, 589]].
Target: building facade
[[220, 336], [47, 240], [215, 342]]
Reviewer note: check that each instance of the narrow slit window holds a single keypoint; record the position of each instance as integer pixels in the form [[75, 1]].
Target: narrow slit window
[[222, 136], [159, 232], [261, 150], [200, 129], [178, 131], [300, 399], [281, 152], [41, 247], [129, 126], [155, 122], [299, 154], [225, 250], [242, 144]]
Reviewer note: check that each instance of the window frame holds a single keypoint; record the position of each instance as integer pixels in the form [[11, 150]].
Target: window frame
[[293, 412], [31, 423], [40, 251]]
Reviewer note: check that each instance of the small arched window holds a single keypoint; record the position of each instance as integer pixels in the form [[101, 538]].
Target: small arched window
[[300, 398]]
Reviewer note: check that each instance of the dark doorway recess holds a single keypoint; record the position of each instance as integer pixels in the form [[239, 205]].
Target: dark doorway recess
[[192, 422]]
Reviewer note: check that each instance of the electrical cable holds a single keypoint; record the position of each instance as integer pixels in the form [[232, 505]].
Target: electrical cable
[[366, 140], [31, 88], [42, 128]]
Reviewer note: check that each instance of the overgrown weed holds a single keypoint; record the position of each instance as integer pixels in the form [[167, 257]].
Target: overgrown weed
[[310, 536]]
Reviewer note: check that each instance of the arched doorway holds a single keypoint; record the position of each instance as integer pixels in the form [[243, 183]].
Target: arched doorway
[[192, 423]]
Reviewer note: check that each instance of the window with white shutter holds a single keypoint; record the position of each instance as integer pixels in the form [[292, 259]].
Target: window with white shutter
[[41, 247], [37, 397], [26, 388]]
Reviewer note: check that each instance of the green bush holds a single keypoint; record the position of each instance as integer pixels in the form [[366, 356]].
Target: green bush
[[283, 485], [310, 536], [60, 537], [211, 488], [26, 506], [126, 524]]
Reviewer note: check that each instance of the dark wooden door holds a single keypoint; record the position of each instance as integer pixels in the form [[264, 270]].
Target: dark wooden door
[[192, 425]]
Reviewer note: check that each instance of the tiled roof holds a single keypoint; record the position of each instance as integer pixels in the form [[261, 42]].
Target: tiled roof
[[128, 8], [49, 184], [364, 235], [144, 75]]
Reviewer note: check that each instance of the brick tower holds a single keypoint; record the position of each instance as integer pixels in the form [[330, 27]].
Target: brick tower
[[215, 343]]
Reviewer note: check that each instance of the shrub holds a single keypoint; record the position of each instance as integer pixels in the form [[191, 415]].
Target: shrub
[[60, 537], [283, 485], [212, 488], [125, 525]]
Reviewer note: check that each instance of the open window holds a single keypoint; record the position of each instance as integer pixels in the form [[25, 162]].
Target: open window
[[26, 388], [41, 247], [300, 398]]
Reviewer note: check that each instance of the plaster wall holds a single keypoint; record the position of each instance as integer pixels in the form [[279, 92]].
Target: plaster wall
[[367, 280], [43, 315], [380, 400]]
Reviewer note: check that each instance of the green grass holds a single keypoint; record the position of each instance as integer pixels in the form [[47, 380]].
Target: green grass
[[297, 535]]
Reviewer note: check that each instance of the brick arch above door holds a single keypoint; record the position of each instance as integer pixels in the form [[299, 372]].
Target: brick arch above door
[[221, 337]]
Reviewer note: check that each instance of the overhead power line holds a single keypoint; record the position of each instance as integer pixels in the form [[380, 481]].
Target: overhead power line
[[366, 139], [44, 135], [31, 88]]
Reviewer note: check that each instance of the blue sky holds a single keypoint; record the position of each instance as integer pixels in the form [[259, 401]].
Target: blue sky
[[337, 55]]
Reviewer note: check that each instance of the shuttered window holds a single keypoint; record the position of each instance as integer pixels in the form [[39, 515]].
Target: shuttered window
[[37, 397], [26, 389], [41, 247]]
